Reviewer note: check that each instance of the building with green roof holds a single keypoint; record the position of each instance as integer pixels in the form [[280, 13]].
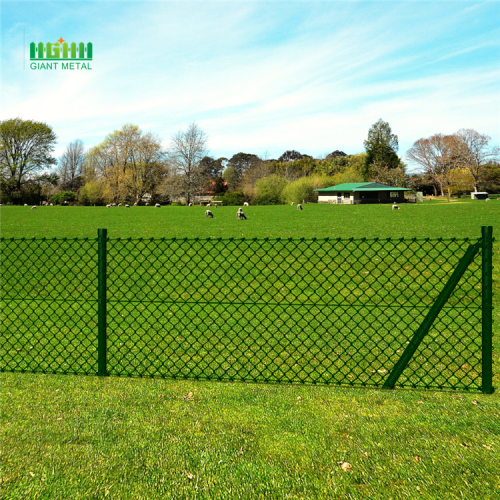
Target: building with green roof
[[354, 193]]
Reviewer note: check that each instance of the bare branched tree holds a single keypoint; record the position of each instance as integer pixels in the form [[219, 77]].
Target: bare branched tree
[[172, 186], [381, 172], [434, 155], [147, 169], [186, 152], [71, 166], [470, 151], [128, 162]]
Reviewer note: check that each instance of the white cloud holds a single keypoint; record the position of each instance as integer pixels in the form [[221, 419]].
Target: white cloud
[[317, 86]]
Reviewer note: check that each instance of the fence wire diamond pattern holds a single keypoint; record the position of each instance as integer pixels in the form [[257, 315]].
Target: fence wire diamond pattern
[[326, 311], [48, 308]]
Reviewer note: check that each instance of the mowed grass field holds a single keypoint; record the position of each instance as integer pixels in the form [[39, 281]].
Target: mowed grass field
[[88, 437], [434, 219]]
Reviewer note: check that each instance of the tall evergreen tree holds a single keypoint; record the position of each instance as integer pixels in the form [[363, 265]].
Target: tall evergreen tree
[[381, 148]]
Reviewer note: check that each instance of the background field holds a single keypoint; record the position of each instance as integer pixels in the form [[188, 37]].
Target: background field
[[434, 219], [124, 438]]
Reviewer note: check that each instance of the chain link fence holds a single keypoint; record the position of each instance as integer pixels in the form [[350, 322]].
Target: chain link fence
[[325, 311], [48, 305]]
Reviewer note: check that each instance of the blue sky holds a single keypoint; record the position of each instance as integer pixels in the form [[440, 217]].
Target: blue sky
[[259, 77]]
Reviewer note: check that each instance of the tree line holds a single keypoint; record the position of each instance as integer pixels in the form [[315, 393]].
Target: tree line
[[133, 166]]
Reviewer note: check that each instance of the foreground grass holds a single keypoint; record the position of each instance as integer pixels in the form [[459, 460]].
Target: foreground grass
[[84, 437]]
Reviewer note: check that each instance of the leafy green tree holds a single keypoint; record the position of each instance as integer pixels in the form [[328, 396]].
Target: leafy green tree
[[422, 182], [92, 193], [63, 196], [129, 163], [26, 148], [459, 182], [231, 199], [231, 177], [212, 168], [333, 165], [294, 169], [46, 184], [218, 186], [37, 188], [381, 148], [299, 190], [269, 190], [350, 174], [303, 189], [390, 176], [491, 177], [339, 164], [239, 164], [357, 163], [335, 154], [290, 156]]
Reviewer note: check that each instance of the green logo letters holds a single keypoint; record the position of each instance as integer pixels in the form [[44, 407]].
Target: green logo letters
[[61, 50]]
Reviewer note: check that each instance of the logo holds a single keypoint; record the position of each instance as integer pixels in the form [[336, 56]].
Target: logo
[[49, 55]]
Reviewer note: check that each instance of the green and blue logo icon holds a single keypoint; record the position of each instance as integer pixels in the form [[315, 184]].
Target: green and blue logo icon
[[45, 54]]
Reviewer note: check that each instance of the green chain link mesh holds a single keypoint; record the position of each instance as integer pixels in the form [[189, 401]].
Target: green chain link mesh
[[327, 311], [49, 307]]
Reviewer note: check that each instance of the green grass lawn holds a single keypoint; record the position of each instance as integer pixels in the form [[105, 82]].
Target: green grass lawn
[[434, 219], [83, 437], [67, 436]]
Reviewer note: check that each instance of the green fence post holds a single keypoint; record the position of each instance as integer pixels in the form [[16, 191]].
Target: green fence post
[[487, 309], [101, 302]]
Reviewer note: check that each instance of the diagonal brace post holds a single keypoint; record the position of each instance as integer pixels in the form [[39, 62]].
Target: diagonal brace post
[[431, 316]]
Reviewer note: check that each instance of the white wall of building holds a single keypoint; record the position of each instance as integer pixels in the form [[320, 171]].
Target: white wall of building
[[332, 198]]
